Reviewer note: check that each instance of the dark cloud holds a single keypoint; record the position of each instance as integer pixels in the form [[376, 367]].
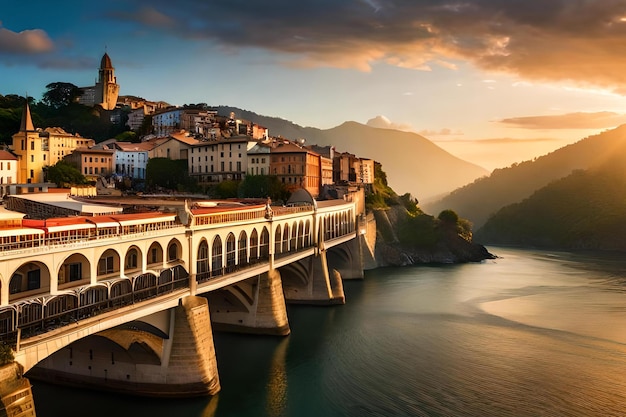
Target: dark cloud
[[598, 120], [574, 40]]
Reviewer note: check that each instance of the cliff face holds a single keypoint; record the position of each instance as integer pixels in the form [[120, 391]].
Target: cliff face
[[448, 247]]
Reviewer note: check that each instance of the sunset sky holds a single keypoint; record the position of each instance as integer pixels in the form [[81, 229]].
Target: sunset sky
[[493, 82]]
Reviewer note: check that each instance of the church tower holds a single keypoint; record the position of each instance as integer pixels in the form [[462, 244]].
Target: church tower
[[29, 147], [106, 89]]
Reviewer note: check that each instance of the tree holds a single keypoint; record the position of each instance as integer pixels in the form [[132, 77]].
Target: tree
[[226, 189], [127, 136], [64, 174], [262, 186], [448, 217], [169, 174], [60, 94]]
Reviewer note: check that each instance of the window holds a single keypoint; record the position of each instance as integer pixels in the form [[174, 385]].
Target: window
[[131, 259], [32, 145], [172, 252], [105, 265], [32, 158], [76, 271], [34, 279], [32, 173]]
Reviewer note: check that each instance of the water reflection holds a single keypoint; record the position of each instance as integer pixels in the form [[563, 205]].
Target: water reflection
[[277, 383]]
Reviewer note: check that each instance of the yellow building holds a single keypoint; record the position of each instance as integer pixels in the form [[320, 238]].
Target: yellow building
[[37, 149]]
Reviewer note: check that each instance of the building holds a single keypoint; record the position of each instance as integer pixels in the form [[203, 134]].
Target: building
[[296, 166], [106, 90], [348, 168], [131, 159], [364, 169], [8, 170], [92, 163], [37, 149], [259, 159], [212, 161], [173, 146]]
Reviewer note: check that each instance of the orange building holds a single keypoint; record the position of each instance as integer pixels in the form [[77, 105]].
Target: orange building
[[92, 162], [296, 166]]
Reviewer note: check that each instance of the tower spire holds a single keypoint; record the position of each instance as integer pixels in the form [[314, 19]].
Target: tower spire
[[26, 124]]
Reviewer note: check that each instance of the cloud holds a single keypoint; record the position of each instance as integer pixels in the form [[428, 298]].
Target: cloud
[[442, 132], [383, 122], [499, 141], [580, 120], [574, 41], [27, 42]]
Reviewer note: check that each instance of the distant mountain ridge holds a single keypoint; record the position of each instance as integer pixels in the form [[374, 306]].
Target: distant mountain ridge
[[585, 210], [485, 196], [413, 164]]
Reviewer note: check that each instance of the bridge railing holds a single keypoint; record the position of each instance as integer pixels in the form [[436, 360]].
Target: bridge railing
[[37, 315]]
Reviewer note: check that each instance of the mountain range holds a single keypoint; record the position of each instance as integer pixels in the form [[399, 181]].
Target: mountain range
[[481, 199], [413, 164]]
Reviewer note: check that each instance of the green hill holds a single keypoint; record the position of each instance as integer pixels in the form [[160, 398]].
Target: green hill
[[484, 197], [585, 210]]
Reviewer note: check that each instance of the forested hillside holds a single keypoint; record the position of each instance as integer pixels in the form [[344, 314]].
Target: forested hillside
[[585, 210], [485, 196]]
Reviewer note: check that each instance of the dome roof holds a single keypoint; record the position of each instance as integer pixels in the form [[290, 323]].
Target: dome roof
[[106, 61]]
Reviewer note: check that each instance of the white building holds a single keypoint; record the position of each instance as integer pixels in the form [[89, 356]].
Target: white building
[[259, 159], [131, 159], [8, 170]]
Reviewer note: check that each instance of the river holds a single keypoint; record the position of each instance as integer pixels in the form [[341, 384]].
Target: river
[[531, 333]]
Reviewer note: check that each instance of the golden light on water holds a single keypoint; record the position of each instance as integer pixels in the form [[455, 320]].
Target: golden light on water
[[277, 383]]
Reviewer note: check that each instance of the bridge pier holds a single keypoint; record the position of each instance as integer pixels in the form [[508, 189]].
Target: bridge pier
[[309, 281], [262, 306], [136, 361]]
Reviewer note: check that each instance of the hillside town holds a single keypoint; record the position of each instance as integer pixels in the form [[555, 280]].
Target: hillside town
[[216, 148]]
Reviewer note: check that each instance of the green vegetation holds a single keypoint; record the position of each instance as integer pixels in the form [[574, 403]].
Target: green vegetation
[[586, 210], [58, 108], [485, 196], [169, 174], [64, 174], [6, 354], [262, 186], [413, 228], [381, 196]]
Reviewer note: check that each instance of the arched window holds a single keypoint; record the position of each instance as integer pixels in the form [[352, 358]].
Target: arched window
[[109, 263], [231, 251], [132, 257], [307, 234], [277, 240], [264, 246], [293, 245], [242, 248], [216, 256], [254, 246], [172, 252], [286, 238], [202, 264], [155, 254]]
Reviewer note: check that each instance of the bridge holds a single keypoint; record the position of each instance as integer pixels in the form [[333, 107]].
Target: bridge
[[128, 302]]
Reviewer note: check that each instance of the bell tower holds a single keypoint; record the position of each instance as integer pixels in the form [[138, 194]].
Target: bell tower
[[107, 89]]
